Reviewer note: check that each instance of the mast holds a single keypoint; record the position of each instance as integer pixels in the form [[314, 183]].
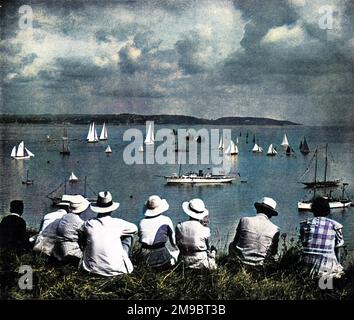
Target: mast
[[65, 186], [85, 187], [326, 164]]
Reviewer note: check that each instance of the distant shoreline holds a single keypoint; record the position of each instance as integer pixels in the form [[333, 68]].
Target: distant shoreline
[[129, 118]]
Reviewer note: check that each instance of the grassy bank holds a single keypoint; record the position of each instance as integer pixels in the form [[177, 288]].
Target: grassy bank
[[280, 280]]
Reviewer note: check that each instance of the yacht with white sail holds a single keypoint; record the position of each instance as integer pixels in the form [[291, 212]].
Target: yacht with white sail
[[108, 149], [257, 149], [92, 134], [65, 151], [104, 133], [271, 151], [221, 143], [231, 149], [285, 142], [150, 135], [73, 178], [20, 152]]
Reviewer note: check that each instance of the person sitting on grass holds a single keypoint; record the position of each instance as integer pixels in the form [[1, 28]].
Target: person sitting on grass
[[154, 232], [67, 243], [257, 238], [321, 239], [104, 251], [13, 234], [192, 237]]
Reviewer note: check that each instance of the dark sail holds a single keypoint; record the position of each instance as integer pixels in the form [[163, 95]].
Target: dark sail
[[304, 149]]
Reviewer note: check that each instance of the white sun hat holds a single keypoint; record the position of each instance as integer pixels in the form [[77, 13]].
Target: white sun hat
[[155, 206], [195, 209], [104, 203], [268, 204], [77, 202]]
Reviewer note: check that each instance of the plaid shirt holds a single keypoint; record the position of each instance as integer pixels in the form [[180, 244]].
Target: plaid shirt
[[320, 236]]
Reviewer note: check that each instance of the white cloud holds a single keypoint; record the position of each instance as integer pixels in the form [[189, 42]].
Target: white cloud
[[286, 35]]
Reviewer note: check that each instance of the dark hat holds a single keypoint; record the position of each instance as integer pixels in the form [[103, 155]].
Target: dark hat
[[320, 206], [16, 206], [268, 205]]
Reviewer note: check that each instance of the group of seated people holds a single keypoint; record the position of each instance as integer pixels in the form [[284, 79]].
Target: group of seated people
[[87, 235]]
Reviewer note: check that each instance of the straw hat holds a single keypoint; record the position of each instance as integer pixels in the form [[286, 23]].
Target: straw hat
[[155, 206], [195, 209], [77, 202], [267, 204], [104, 203]]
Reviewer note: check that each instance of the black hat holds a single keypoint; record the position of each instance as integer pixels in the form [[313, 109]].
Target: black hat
[[16, 206], [320, 206]]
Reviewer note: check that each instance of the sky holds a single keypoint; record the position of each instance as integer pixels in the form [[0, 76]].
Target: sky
[[282, 59]]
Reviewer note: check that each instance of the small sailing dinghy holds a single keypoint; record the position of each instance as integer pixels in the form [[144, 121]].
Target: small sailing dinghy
[[150, 135], [232, 149], [285, 142], [20, 152], [271, 150], [104, 132], [108, 150], [27, 181], [73, 178], [141, 149], [257, 149], [92, 134], [304, 148]]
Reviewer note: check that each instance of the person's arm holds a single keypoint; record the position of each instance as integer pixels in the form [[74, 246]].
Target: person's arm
[[82, 237], [274, 246], [128, 228], [172, 235]]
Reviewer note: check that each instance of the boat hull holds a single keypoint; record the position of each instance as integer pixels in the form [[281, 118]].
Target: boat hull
[[306, 206], [21, 158], [172, 180], [323, 184]]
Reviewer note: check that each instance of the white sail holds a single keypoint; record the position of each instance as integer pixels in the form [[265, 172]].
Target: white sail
[[221, 143], [150, 135], [92, 135], [29, 152], [231, 149], [13, 152], [285, 141], [21, 150], [108, 149], [73, 177], [89, 132], [257, 148], [104, 133], [271, 151], [141, 149]]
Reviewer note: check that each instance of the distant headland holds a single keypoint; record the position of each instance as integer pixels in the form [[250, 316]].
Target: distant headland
[[130, 118]]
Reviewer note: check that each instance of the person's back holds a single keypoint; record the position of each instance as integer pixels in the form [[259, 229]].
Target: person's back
[[103, 251], [256, 238], [13, 233], [320, 238]]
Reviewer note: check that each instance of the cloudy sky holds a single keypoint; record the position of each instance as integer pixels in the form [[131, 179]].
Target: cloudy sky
[[205, 58]]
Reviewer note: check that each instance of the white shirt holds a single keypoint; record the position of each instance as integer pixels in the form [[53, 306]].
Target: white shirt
[[51, 217], [103, 253], [156, 230]]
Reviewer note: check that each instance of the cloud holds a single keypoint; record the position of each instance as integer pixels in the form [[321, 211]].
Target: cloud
[[286, 35]]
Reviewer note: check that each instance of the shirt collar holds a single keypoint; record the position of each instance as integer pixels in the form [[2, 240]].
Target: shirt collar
[[263, 215]]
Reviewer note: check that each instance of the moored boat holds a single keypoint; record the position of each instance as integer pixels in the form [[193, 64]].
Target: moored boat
[[20, 152]]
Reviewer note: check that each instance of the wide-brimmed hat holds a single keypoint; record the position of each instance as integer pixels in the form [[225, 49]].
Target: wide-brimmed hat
[[77, 203], [267, 204], [195, 209], [104, 203], [155, 206]]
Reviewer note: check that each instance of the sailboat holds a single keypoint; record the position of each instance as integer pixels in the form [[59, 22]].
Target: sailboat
[[231, 149], [21, 152], [304, 148], [325, 183], [141, 149], [108, 149], [104, 132], [73, 178], [27, 181], [289, 151], [256, 148], [221, 143], [285, 142], [271, 151], [150, 135], [334, 203], [92, 134], [65, 146]]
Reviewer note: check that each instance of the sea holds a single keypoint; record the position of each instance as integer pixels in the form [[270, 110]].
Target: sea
[[277, 177]]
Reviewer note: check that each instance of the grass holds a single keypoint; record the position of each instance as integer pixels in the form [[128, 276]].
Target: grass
[[279, 280]]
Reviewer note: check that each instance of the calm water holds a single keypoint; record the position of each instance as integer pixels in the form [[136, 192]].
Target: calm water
[[131, 185]]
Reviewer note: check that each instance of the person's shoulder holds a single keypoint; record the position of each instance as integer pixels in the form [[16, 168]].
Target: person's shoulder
[[336, 224]]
